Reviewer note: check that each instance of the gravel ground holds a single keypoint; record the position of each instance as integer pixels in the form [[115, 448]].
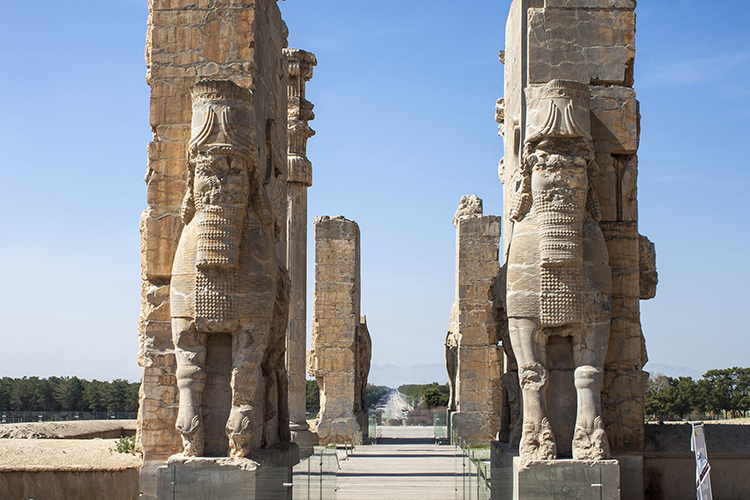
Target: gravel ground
[[64, 455], [65, 430]]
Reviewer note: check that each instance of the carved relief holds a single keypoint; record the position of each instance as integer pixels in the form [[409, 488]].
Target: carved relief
[[226, 278], [300, 111], [558, 278]]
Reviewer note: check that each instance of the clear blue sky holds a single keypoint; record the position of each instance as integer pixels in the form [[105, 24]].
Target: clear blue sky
[[404, 95]]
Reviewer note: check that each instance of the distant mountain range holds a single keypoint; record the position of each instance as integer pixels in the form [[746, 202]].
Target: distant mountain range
[[672, 371], [394, 376]]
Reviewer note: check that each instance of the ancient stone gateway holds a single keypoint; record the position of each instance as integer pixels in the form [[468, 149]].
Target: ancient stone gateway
[[576, 265], [215, 286]]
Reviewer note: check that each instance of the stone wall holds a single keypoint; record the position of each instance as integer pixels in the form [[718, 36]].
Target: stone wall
[[69, 485], [190, 40], [65, 461], [592, 42], [669, 464], [334, 358], [474, 332]]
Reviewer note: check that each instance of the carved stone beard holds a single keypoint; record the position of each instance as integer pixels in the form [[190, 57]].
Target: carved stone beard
[[221, 190], [558, 206]]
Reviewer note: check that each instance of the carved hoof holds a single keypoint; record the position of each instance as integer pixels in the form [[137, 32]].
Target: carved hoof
[[238, 431], [538, 442], [192, 433], [590, 444]]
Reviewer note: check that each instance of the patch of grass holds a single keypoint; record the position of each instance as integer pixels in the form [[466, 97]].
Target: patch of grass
[[126, 444]]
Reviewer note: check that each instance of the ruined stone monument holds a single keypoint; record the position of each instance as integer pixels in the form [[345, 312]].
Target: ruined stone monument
[[575, 265], [341, 345], [559, 282], [473, 357], [215, 287], [299, 178]]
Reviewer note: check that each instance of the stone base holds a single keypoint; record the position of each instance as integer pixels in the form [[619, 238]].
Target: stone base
[[553, 479], [501, 462], [304, 438], [338, 431], [363, 422], [265, 474], [472, 427]]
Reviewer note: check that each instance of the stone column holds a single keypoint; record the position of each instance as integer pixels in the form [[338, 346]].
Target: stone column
[[474, 331], [333, 358], [299, 178]]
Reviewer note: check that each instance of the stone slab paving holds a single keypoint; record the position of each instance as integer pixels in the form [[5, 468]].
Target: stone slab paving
[[406, 465]]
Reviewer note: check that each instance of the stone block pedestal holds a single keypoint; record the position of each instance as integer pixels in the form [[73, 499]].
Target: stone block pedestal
[[552, 479], [263, 475], [342, 430], [501, 461], [304, 438]]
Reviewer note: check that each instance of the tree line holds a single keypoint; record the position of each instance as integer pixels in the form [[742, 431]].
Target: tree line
[[67, 394], [718, 392], [427, 395]]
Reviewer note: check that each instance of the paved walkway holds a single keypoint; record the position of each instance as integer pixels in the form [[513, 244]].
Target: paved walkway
[[404, 464]]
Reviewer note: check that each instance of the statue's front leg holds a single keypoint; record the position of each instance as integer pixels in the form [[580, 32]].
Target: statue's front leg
[[529, 345], [590, 348], [190, 354], [244, 427]]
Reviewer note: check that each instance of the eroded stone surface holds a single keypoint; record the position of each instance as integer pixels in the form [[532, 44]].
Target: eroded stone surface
[[591, 44], [473, 358], [583, 45], [341, 344], [187, 41]]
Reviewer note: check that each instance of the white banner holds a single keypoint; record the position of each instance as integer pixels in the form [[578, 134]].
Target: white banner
[[702, 467]]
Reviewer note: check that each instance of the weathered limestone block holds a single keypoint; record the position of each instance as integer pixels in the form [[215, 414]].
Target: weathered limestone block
[[340, 343], [615, 119], [587, 46], [262, 474], [552, 479], [473, 358], [158, 243], [590, 4]]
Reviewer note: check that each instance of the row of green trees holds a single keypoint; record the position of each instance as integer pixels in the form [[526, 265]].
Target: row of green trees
[[428, 395], [67, 394], [717, 392]]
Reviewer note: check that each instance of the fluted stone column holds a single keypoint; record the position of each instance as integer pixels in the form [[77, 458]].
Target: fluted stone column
[[299, 179]]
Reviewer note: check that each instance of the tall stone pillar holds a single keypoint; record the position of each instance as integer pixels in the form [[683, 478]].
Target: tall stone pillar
[[299, 178], [474, 332], [334, 355], [187, 42]]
